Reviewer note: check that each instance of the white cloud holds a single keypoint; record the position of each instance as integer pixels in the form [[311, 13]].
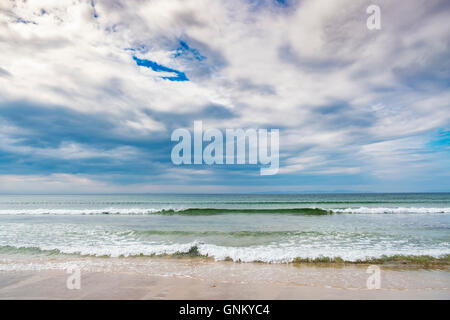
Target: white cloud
[[271, 66]]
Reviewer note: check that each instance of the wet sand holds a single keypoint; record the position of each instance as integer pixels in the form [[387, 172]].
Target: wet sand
[[169, 278]]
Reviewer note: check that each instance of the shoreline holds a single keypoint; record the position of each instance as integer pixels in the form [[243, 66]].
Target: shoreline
[[197, 278]]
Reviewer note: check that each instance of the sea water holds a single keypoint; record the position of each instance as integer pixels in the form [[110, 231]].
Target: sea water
[[273, 228]]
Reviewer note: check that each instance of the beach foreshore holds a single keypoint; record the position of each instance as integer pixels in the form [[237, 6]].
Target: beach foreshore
[[196, 278]]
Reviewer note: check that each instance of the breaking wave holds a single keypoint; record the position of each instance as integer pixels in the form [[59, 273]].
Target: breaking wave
[[188, 211], [392, 210], [251, 254], [219, 211]]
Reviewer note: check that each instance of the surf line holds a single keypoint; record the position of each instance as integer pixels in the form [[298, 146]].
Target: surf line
[[236, 147]]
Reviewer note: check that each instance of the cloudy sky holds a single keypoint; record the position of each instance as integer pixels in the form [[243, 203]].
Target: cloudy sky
[[90, 92]]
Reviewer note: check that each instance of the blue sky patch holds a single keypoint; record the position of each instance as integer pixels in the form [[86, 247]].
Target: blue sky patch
[[21, 20], [441, 141], [180, 76], [188, 52], [93, 7]]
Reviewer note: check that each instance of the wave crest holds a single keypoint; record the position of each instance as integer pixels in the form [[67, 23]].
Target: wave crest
[[194, 250], [392, 210], [169, 211], [222, 211]]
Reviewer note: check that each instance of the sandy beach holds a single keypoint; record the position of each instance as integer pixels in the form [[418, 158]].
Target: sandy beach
[[170, 278]]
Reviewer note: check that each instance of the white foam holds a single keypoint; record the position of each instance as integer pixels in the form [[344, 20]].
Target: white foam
[[393, 210], [288, 254], [268, 253], [147, 211], [43, 211]]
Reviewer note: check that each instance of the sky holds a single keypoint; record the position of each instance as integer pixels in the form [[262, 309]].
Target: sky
[[90, 92]]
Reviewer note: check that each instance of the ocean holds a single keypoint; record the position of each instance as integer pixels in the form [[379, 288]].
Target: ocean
[[271, 228]]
